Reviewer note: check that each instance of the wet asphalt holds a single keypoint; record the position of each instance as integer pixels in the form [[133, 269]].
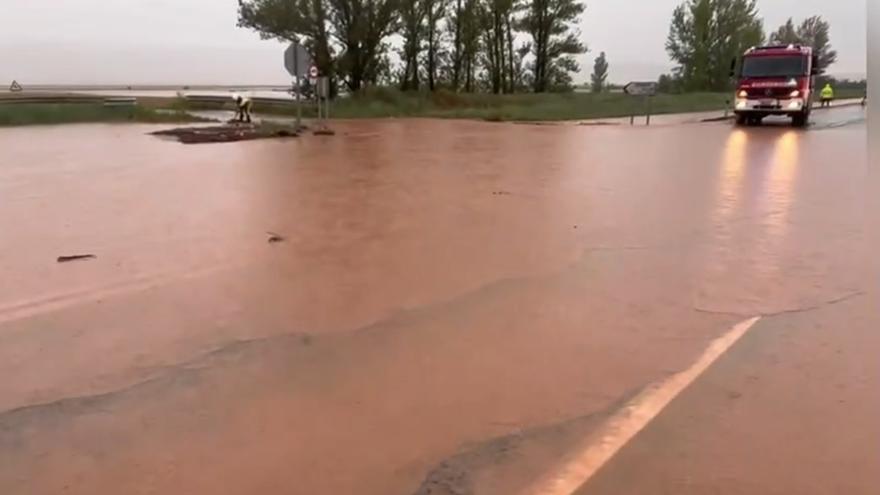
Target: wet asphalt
[[442, 308]]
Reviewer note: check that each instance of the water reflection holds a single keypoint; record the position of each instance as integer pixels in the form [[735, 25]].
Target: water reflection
[[751, 220], [732, 173]]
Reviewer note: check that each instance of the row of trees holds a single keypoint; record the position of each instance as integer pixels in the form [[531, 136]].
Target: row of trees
[[705, 35], [465, 45]]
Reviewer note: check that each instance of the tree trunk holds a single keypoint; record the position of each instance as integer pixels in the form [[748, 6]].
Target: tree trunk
[[512, 82], [499, 43], [469, 75], [431, 60], [456, 47]]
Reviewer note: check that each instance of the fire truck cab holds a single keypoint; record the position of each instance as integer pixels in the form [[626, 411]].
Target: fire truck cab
[[774, 80]]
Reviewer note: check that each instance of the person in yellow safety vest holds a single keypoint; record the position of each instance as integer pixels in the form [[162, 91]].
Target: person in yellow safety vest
[[243, 109], [827, 95]]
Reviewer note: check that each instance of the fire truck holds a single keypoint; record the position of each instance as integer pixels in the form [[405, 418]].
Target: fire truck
[[774, 80]]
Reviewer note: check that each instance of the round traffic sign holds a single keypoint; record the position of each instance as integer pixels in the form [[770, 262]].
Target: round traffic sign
[[313, 72]]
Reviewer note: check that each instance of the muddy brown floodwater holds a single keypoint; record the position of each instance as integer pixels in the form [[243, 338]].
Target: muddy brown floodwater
[[449, 302]]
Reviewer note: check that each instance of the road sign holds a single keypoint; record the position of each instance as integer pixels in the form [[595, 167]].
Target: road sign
[[641, 89], [297, 60], [313, 72], [15, 87]]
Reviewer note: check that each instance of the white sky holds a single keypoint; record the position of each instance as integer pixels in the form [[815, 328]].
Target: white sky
[[197, 41]]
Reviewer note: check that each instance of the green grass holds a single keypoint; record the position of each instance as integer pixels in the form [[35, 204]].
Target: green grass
[[18, 114], [384, 102], [846, 94]]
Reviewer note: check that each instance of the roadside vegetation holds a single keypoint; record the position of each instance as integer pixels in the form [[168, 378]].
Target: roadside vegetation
[[386, 102], [19, 114], [510, 46]]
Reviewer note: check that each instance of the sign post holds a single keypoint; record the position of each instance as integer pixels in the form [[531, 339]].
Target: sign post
[[646, 90], [297, 62], [15, 87], [322, 96]]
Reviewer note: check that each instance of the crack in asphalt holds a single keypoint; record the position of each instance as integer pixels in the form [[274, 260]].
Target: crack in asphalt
[[820, 305], [804, 309]]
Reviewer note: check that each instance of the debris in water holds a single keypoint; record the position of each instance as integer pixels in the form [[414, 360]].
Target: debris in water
[[76, 257], [226, 133], [273, 238]]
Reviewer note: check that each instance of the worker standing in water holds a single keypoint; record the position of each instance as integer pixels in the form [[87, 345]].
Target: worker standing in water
[[243, 108], [827, 95]]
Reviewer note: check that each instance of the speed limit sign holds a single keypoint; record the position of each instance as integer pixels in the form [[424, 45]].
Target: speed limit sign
[[313, 72]]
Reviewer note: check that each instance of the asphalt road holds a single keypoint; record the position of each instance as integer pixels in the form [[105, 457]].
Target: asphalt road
[[456, 307]]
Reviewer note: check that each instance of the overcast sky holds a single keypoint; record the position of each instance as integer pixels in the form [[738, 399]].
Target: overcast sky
[[197, 41]]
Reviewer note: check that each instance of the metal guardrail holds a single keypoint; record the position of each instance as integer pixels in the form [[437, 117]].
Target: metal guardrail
[[223, 100], [68, 99], [125, 101]]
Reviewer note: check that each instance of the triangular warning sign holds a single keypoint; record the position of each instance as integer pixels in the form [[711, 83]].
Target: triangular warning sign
[[15, 87]]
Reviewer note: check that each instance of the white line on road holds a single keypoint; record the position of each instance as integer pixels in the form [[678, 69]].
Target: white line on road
[[629, 420]]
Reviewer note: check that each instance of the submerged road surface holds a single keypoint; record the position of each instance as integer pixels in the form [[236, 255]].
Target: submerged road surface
[[447, 307]]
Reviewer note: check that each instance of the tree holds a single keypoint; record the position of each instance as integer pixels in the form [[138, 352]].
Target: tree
[[668, 83], [813, 32], [435, 11], [463, 26], [292, 20], [361, 27], [412, 18], [705, 35], [497, 26], [357, 29], [786, 34], [600, 73], [555, 40]]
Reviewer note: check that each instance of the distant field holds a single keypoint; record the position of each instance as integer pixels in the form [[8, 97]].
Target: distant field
[[66, 113]]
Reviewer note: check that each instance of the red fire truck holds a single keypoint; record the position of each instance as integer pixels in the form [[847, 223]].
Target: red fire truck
[[774, 80]]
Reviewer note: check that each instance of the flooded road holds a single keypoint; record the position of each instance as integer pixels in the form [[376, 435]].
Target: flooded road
[[452, 304]]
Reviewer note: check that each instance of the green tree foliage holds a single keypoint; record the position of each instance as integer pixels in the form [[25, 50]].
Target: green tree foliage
[[463, 44], [705, 35], [463, 27], [668, 84], [786, 34], [600, 74], [435, 11], [496, 20], [345, 35], [361, 27], [554, 40], [814, 32], [292, 20], [412, 28]]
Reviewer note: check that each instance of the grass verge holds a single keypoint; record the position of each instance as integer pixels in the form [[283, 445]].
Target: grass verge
[[19, 114], [385, 102]]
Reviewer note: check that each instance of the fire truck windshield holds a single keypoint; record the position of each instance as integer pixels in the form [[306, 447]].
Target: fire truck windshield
[[774, 66]]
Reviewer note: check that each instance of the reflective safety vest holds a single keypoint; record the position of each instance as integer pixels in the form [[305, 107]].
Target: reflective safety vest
[[827, 92]]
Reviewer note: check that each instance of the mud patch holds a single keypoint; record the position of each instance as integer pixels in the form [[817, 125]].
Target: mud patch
[[510, 463], [226, 133]]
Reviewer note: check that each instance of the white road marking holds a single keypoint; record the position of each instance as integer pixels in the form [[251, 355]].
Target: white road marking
[[629, 420]]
